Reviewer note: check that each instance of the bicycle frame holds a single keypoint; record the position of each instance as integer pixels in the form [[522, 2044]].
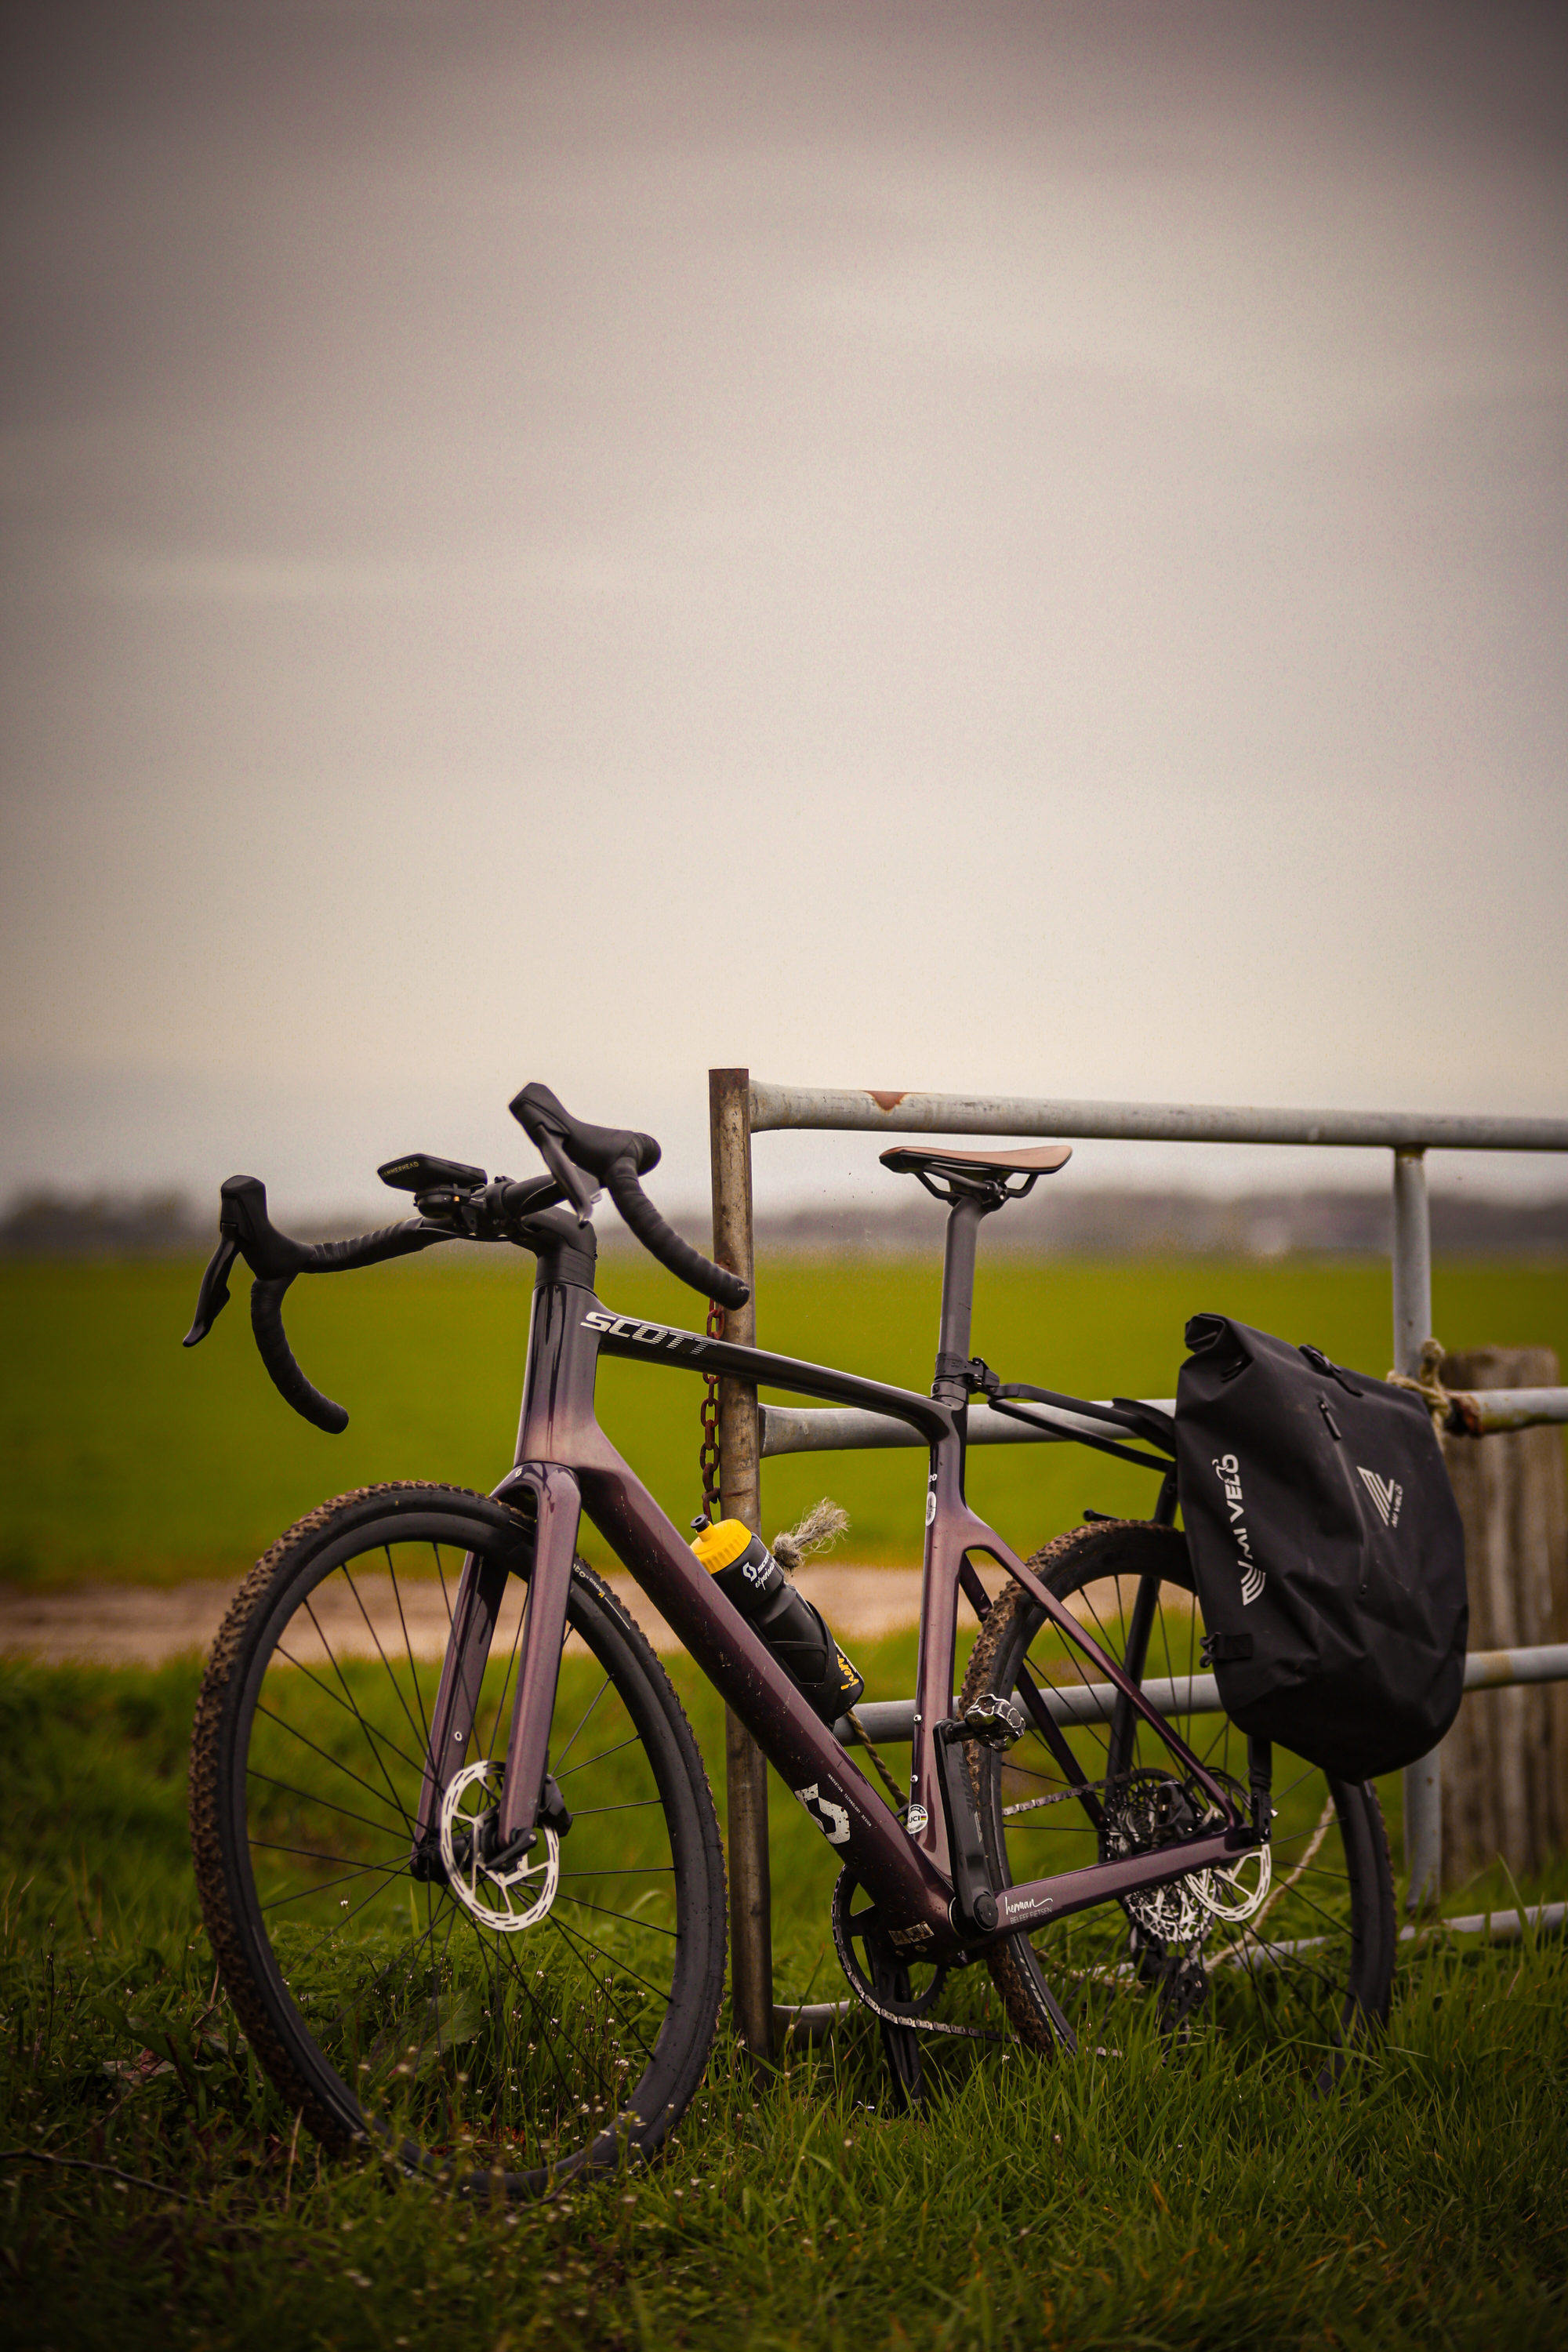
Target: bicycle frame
[[566, 1466]]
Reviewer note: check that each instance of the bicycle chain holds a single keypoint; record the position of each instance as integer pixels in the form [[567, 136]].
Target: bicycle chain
[[851, 1968], [867, 1999], [1061, 1797], [707, 1455]]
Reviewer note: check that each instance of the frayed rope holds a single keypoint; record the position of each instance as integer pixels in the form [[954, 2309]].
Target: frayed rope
[[823, 1525], [1427, 1385]]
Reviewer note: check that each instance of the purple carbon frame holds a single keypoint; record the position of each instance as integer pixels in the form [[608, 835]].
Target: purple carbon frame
[[565, 1466]]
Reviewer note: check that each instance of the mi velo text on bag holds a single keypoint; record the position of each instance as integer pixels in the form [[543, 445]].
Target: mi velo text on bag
[[1326, 1547]]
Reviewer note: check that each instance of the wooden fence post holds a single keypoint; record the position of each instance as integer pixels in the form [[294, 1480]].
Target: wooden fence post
[[740, 1489], [1505, 1763]]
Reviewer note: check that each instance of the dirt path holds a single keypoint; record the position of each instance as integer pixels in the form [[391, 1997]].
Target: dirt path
[[136, 1624]]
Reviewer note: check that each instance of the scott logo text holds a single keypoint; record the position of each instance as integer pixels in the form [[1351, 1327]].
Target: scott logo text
[[647, 1335]]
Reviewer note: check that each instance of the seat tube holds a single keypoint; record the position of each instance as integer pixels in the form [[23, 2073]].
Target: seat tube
[[560, 1506]]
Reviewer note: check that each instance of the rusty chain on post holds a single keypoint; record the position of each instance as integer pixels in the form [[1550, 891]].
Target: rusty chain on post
[[707, 1458]]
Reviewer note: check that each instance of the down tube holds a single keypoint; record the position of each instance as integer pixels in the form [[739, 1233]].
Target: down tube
[[799, 1747]]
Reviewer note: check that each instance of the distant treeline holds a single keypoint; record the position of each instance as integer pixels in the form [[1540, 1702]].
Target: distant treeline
[[107, 1225], [1106, 1222], [1120, 1221]]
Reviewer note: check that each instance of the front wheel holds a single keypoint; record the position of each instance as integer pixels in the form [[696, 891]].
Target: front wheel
[[1292, 1950], [509, 2027]]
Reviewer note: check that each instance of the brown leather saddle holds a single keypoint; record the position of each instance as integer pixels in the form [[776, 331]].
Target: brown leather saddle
[[947, 1173]]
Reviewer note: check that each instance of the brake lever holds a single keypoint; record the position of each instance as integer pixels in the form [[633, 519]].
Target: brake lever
[[244, 1227], [573, 1184], [213, 1296]]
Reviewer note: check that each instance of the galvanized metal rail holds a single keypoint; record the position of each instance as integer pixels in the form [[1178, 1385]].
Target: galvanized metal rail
[[829, 1429], [870, 1111], [889, 1721], [741, 1107]]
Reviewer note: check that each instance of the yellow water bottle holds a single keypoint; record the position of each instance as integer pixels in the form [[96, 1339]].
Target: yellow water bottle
[[747, 1573]]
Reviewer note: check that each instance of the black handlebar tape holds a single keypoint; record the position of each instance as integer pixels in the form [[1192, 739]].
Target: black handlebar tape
[[266, 1322], [372, 1249], [661, 1242], [271, 1255]]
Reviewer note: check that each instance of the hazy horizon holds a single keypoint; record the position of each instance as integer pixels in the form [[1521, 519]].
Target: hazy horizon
[[1020, 548]]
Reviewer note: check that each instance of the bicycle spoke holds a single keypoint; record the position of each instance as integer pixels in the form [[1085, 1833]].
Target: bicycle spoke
[[311, 1853], [306, 1893], [632, 1805], [337, 1700], [648, 1926], [588, 1761], [627, 2022], [578, 1726], [328, 1757], [632, 1870], [347, 1576], [313, 1797], [408, 1652], [380, 1759]]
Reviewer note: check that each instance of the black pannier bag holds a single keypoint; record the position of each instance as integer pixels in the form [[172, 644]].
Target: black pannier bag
[[1327, 1547]]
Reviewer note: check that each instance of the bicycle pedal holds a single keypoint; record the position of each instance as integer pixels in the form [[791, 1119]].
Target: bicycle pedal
[[994, 1721]]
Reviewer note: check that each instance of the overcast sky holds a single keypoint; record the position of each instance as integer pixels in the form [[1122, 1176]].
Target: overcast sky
[[987, 548]]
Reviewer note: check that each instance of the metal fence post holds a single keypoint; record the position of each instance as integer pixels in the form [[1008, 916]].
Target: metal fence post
[[1411, 1261], [745, 1768], [1412, 1326]]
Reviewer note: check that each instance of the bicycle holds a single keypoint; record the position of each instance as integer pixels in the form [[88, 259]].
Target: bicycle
[[474, 1917]]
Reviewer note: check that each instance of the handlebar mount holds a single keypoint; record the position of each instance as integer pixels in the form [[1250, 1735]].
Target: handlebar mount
[[454, 1201]]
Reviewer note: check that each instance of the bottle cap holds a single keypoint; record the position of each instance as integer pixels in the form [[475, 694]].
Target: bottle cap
[[719, 1548]]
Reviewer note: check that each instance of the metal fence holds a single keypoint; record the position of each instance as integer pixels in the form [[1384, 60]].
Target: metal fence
[[741, 1107]]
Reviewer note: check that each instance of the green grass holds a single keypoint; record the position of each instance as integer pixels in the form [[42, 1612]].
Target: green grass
[[1137, 2200], [123, 1457]]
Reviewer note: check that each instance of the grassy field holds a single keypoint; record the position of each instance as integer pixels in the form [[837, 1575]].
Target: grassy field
[[123, 1457], [1126, 2198], [1120, 2201]]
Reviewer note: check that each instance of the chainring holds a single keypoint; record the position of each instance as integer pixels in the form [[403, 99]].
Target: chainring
[[851, 1925]]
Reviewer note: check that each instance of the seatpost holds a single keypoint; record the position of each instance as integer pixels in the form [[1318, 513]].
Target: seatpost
[[951, 1386]]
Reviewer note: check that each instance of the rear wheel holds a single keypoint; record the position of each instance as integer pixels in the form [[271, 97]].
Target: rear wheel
[[511, 2026], [1293, 1950]]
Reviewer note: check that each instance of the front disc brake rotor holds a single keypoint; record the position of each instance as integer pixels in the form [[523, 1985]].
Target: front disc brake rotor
[[505, 1900]]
